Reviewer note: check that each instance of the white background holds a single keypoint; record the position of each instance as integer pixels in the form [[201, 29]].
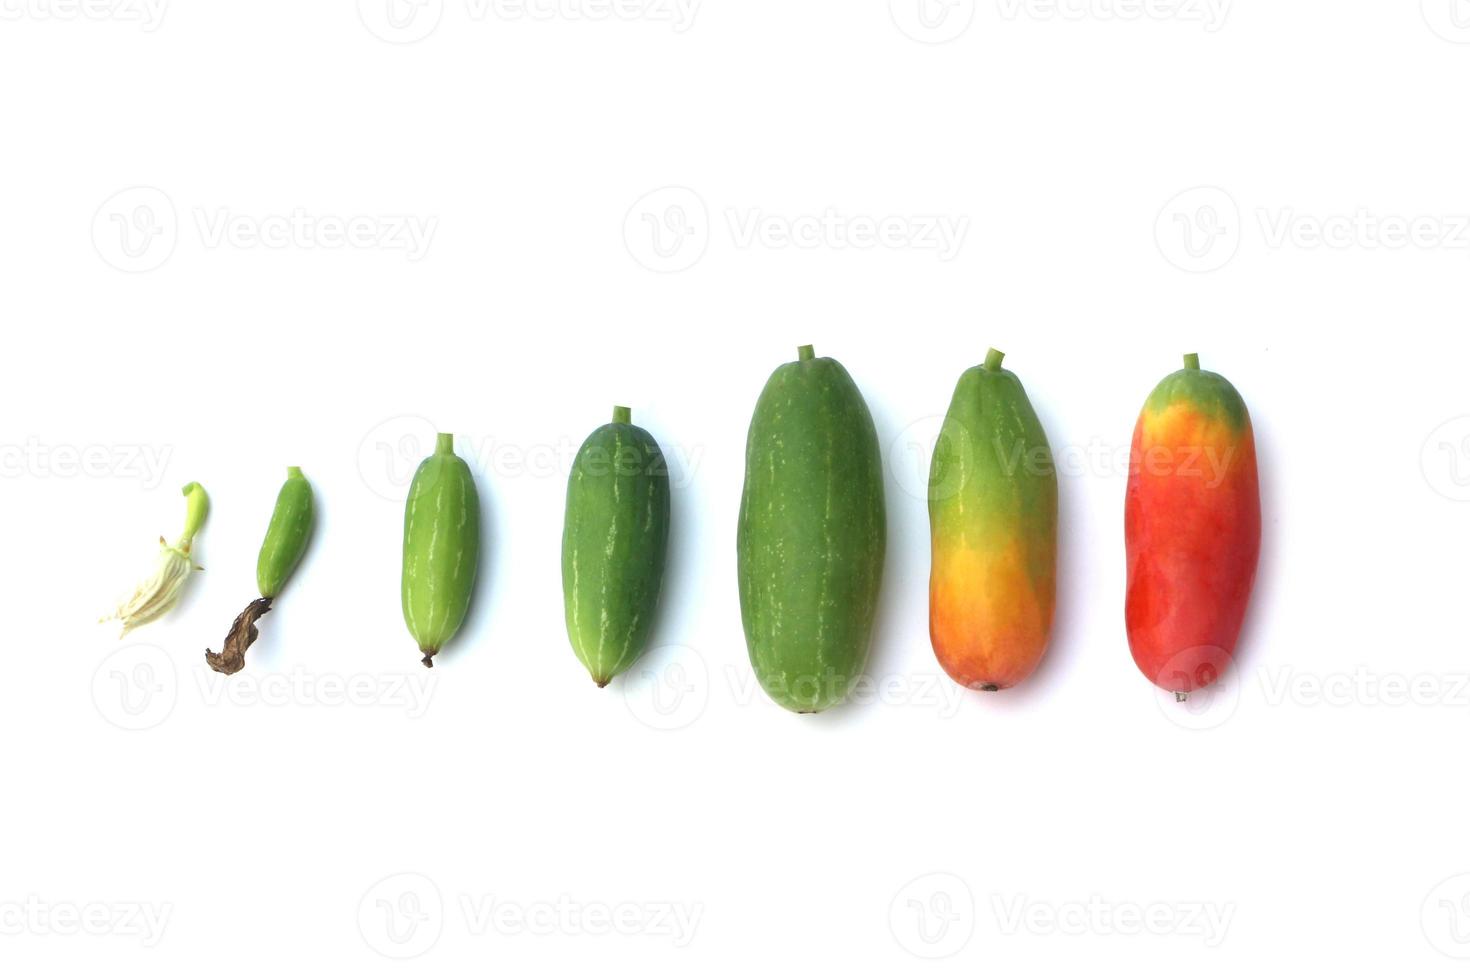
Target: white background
[[1133, 183]]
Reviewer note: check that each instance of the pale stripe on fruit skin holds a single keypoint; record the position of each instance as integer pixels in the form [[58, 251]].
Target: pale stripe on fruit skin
[[411, 573]]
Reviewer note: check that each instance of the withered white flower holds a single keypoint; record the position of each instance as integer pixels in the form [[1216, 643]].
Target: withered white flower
[[160, 591]]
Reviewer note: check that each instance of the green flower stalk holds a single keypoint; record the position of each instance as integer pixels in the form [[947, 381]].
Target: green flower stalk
[[160, 592]]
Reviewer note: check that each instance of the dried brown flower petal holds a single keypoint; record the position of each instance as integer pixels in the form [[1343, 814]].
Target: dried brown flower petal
[[242, 634]]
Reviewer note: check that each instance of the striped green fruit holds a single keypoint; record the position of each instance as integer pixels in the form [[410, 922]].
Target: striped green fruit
[[286, 537], [285, 542], [614, 544], [812, 534], [441, 546]]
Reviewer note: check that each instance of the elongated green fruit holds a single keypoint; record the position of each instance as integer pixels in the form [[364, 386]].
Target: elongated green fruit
[[285, 543], [286, 537], [441, 547], [993, 523], [812, 534], [613, 545]]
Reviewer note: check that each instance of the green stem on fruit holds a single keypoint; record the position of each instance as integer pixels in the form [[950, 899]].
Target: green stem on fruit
[[1191, 362], [993, 359], [805, 352], [444, 443], [622, 414], [294, 473]]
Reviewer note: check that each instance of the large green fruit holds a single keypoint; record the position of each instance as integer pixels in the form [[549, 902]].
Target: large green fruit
[[613, 545], [441, 547], [812, 534]]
